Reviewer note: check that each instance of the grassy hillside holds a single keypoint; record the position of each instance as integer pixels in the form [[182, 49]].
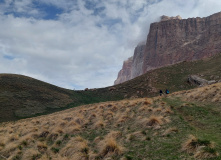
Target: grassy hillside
[[22, 96], [173, 77], [183, 125]]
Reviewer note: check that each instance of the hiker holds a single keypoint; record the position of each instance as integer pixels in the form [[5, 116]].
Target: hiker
[[161, 92], [167, 91]]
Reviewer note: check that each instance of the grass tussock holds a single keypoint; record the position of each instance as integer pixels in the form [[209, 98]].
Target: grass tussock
[[206, 152], [170, 131], [76, 148], [153, 120], [99, 124], [190, 145], [110, 147], [201, 149], [31, 154]]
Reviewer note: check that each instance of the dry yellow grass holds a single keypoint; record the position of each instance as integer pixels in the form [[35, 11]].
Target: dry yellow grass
[[205, 153], [114, 134], [90, 131], [170, 130], [152, 121], [200, 149], [109, 147], [99, 124], [77, 148], [56, 136], [31, 153], [210, 93], [135, 136], [190, 145]]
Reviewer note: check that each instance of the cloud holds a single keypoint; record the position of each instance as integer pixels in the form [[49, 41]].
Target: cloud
[[82, 43]]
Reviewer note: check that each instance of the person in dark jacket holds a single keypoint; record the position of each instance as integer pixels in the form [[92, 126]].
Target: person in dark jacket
[[167, 91], [161, 92]]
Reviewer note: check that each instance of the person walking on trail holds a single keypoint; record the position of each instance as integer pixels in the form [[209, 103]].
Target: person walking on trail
[[161, 92], [167, 91]]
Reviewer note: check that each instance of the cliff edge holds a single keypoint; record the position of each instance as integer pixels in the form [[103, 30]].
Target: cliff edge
[[173, 40]]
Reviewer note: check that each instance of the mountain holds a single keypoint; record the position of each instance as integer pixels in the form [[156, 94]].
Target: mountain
[[173, 40], [182, 125]]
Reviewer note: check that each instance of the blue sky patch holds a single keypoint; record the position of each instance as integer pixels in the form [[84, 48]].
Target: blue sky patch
[[8, 57], [49, 11]]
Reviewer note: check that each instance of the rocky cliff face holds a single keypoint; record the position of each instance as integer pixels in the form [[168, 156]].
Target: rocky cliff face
[[133, 66], [125, 73], [173, 40]]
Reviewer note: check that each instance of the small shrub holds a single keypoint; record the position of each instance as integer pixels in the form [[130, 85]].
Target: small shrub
[[85, 150], [148, 138], [24, 143], [36, 156], [58, 142], [17, 157], [55, 150], [128, 157], [2, 144], [66, 136], [132, 137], [168, 135], [20, 147], [144, 132]]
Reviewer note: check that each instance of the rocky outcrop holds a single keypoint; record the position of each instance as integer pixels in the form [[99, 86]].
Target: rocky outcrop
[[133, 66], [196, 80], [173, 40], [125, 72], [165, 18], [137, 63]]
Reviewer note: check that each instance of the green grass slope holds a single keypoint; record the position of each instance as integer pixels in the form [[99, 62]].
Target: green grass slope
[[22, 96]]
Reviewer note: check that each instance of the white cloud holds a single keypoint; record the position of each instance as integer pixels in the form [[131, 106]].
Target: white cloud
[[81, 49]]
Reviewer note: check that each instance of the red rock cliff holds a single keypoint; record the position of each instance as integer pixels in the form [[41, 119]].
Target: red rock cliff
[[125, 73], [133, 66], [173, 40]]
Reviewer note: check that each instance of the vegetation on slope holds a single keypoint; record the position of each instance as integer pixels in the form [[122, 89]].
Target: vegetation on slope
[[22, 96], [177, 126]]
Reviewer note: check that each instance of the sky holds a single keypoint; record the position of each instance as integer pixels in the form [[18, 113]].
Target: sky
[[79, 44]]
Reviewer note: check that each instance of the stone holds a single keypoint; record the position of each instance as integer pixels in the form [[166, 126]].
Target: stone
[[211, 82], [194, 79]]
